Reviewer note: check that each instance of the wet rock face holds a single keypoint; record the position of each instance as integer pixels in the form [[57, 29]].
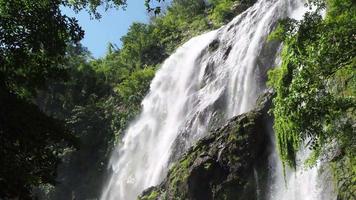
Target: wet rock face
[[231, 163], [242, 5]]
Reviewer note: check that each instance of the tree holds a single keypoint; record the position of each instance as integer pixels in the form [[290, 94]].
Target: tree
[[316, 83], [31, 144], [141, 47], [33, 36]]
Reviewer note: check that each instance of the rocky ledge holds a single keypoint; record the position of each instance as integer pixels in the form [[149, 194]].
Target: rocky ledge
[[231, 163]]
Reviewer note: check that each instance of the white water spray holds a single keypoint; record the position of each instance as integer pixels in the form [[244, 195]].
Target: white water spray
[[216, 75], [304, 183]]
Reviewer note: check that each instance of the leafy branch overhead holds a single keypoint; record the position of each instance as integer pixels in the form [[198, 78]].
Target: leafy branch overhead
[[92, 5], [315, 85]]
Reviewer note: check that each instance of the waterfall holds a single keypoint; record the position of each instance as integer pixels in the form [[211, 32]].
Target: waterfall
[[304, 183], [208, 80]]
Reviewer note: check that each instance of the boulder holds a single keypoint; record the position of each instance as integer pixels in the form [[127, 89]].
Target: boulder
[[230, 164]]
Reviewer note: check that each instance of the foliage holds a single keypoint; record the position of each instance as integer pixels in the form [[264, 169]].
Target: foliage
[[33, 37], [92, 5], [96, 113], [187, 18], [344, 169], [142, 44], [133, 89], [315, 96], [82, 173], [182, 20], [31, 145], [222, 12], [80, 102]]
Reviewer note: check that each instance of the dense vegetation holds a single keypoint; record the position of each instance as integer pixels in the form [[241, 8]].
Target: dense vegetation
[[316, 85], [61, 111], [33, 41]]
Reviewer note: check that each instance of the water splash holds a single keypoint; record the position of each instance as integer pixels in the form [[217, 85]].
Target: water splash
[[205, 82], [304, 183]]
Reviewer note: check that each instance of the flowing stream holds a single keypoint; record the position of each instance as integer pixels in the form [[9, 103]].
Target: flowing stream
[[208, 80]]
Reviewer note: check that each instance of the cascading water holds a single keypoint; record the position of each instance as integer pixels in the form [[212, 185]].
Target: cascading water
[[213, 76], [304, 183]]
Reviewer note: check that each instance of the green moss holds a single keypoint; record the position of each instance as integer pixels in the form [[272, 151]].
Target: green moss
[[207, 166], [312, 159], [232, 137], [223, 11], [234, 158], [152, 196], [178, 176], [344, 170]]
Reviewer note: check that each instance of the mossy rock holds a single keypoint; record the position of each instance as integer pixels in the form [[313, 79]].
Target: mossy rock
[[222, 165]]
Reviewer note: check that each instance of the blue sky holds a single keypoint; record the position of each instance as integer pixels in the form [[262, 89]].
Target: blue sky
[[113, 24]]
